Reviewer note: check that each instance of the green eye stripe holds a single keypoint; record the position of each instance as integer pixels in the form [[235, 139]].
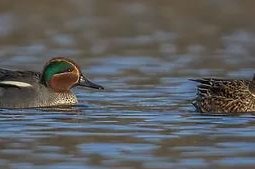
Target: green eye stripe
[[55, 68]]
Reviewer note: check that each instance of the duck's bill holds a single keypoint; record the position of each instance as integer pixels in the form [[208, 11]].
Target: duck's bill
[[87, 83]]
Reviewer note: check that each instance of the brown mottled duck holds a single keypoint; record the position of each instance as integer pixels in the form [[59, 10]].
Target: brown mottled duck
[[225, 95]]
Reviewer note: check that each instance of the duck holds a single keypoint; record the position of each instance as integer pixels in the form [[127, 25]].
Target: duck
[[49, 88], [215, 95]]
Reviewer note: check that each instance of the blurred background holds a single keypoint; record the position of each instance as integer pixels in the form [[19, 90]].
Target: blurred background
[[204, 33], [142, 52]]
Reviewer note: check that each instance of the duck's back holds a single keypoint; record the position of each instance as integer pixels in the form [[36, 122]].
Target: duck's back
[[221, 95]]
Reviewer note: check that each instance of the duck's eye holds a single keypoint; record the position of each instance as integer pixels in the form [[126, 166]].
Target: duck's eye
[[69, 70]]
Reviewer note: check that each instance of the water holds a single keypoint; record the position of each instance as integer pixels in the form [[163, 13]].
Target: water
[[143, 53]]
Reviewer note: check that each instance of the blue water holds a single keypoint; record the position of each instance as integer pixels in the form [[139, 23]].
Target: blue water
[[130, 124]]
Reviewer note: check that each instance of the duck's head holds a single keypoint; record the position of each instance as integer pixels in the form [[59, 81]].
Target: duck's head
[[61, 74]]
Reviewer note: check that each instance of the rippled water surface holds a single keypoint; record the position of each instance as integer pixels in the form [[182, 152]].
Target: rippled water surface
[[143, 53]]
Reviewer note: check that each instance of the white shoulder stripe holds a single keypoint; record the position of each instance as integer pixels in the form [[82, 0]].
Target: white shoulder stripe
[[16, 83]]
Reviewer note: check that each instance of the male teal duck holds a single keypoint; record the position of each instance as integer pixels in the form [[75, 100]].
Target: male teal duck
[[225, 95], [52, 87]]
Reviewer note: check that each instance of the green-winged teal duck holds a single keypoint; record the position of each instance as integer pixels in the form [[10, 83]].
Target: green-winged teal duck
[[225, 95], [52, 87]]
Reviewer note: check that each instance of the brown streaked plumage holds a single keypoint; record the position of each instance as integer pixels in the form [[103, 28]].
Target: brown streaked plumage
[[225, 95]]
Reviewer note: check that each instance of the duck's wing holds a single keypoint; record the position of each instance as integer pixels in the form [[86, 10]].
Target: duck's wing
[[18, 88], [227, 88], [9, 78]]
